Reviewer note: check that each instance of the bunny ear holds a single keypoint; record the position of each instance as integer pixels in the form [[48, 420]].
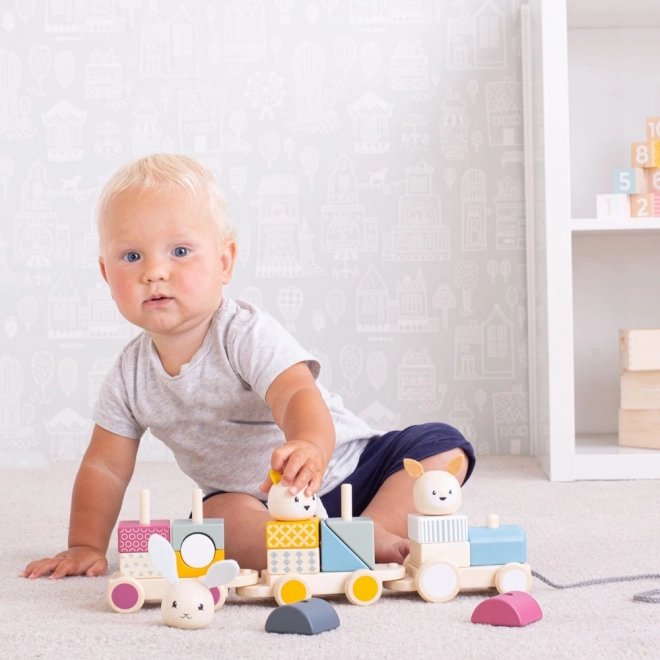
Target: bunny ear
[[222, 572], [163, 558]]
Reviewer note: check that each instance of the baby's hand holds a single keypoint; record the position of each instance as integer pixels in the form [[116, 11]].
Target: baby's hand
[[302, 466], [81, 560]]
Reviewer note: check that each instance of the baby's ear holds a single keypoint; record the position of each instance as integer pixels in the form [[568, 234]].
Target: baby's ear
[[413, 467], [102, 268]]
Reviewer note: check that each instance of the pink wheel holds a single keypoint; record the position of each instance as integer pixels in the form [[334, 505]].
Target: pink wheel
[[219, 596], [125, 595]]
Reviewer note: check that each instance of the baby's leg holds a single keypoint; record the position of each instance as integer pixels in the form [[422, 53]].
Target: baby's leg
[[393, 502], [245, 527]]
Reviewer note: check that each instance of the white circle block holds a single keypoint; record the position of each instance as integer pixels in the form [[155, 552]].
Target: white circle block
[[197, 550]]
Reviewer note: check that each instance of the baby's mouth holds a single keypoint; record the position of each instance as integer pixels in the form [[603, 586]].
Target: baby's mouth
[[155, 300]]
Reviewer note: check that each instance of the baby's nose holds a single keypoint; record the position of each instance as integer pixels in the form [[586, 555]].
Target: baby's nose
[[155, 271]]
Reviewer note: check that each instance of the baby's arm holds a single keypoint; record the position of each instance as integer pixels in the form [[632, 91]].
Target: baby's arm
[[98, 492], [300, 411]]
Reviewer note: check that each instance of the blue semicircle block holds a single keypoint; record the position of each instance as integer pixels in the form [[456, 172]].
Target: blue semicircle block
[[306, 617]]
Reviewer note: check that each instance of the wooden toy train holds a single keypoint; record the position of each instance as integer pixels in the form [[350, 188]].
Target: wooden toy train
[[310, 556]]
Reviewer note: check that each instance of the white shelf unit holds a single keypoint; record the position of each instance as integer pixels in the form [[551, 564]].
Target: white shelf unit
[[590, 81]]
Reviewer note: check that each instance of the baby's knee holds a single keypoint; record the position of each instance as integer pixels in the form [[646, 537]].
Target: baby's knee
[[442, 460], [232, 505]]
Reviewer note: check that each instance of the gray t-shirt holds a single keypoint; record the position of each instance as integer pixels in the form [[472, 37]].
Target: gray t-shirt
[[213, 415]]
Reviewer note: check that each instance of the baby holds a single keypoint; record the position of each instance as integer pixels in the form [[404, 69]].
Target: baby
[[222, 384]]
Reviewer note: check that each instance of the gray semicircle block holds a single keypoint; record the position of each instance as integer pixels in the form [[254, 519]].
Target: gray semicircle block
[[307, 617]]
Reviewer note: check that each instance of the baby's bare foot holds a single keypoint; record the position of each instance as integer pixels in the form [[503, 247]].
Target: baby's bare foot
[[389, 548]]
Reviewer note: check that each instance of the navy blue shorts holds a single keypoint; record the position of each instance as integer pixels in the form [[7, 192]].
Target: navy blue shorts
[[384, 455]]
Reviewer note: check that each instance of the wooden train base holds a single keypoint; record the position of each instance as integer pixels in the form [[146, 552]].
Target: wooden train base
[[127, 594], [361, 587], [438, 581]]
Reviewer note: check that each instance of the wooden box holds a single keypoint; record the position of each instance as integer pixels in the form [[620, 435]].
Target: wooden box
[[640, 349], [639, 428], [640, 390]]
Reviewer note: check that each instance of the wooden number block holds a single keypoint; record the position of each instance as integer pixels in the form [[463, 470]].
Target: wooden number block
[[645, 154], [631, 181], [300, 561], [132, 536], [285, 535], [653, 128], [640, 389], [645, 206], [653, 180], [639, 428], [640, 349], [610, 207]]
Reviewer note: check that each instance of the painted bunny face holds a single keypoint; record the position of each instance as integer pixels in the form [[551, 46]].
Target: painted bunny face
[[436, 492], [284, 506], [188, 604]]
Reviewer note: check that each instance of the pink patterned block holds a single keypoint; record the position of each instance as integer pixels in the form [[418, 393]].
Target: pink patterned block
[[134, 537]]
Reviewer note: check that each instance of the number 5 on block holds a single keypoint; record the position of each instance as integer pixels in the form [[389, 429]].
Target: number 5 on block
[[631, 181]]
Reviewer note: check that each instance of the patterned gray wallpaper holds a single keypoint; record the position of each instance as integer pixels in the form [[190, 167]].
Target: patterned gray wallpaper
[[371, 154]]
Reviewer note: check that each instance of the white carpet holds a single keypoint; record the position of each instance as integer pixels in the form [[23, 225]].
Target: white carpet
[[575, 531]]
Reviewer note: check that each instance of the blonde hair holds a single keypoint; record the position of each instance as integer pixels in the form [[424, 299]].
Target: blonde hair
[[167, 173]]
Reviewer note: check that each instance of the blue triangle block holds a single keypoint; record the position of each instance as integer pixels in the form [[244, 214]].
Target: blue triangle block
[[336, 556], [358, 535]]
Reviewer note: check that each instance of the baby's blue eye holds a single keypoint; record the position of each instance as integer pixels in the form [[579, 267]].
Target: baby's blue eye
[[180, 252], [131, 257]]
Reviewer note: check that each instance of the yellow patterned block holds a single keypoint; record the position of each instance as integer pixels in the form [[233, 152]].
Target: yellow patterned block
[[285, 535], [186, 571]]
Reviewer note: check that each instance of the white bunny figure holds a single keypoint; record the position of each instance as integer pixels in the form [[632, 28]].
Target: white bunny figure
[[188, 603], [282, 505], [436, 492]]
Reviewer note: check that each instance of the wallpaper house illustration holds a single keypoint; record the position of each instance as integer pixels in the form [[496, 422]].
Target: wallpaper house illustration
[[371, 155]]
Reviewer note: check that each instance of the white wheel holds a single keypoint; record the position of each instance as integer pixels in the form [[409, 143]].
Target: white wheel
[[513, 577], [290, 590], [437, 581], [363, 587], [125, 595]]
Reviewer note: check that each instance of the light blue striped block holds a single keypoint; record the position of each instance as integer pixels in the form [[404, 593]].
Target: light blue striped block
[[437, 529]]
